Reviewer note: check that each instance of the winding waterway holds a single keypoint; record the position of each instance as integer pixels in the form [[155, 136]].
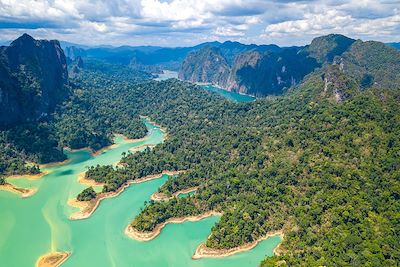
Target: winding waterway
[[40, 224]]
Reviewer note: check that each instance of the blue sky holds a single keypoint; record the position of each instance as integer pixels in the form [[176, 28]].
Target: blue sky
[[188, 22]]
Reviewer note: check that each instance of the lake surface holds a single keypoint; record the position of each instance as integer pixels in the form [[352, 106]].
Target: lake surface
[[168, 74], [236, 97], [37, 225]]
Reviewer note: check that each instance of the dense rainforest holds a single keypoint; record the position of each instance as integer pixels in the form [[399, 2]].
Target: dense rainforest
[[322, 168], [87, 118]]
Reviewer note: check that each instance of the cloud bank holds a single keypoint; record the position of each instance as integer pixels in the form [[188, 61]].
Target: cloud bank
[[187, 22]]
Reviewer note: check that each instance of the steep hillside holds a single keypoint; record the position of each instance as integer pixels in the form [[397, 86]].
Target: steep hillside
[[205, 66], [268, 73], [272, 72], [372, 64], [33, 78], [325, 48]]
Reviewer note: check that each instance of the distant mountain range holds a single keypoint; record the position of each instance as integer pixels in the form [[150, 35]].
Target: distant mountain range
[[272, 71], [258, 70], [158, 57]]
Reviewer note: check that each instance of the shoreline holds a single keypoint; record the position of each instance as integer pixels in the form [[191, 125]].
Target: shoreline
[[138, 148], [53, 164], [28, 176], [157, 196], [147, 236], [87, 208], [221, 88], [52, 259], [163, 129], [23, 192], [204, 252], [101, 150], [88, 182]]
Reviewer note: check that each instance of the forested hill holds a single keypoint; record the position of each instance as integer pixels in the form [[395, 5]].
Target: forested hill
[[321, 162], [262, 73]]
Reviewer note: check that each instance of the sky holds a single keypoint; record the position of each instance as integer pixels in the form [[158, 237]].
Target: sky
[[189, 22]]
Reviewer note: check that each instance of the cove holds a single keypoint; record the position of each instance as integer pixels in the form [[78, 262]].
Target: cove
[[40, 224]]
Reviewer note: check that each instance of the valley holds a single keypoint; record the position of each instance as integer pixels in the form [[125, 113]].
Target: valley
[[306, 174]]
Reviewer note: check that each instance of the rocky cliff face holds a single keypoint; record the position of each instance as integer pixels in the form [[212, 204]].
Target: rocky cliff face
[[206, 65], [252, 72], [372, 64], [262, 70], [268, 73], [73, 52], [33, 75]]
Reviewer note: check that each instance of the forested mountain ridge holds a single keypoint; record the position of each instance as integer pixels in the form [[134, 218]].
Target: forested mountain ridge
[[273, 72], [33, 79], [155, 58]]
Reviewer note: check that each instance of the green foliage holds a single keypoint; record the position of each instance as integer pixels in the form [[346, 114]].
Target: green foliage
[[326, 173], [2, 181], [325, 48], [95, 111], [87, 194], [273, 261], [34, 142], [373, 64]]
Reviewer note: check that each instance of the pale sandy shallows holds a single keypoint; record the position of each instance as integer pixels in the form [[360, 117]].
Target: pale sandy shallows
[[146, 236], [204, 252], [23, 192]]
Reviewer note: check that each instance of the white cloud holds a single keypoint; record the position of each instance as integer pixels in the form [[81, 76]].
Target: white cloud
[[330, 20], [174, 22]]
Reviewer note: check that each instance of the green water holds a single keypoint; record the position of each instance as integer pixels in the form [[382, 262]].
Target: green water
[[37, 225], [168, 74], [229, 95]]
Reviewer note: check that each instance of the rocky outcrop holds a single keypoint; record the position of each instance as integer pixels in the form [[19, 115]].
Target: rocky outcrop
[[252, 72], [75, 67], [33, 78], [337, 85], [206, 65], [73, 52]]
